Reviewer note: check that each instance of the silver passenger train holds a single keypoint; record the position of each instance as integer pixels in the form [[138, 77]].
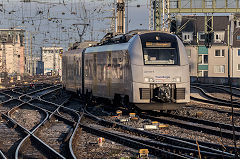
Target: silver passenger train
[[148, 69]]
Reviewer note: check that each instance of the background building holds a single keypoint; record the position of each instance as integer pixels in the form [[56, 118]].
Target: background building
[[38, 66], [213, 61], [52, 59], [12, 48]]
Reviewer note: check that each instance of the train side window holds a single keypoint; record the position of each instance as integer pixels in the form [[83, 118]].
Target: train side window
[[90, 71], [86, 68], [77, 69], [114, 68]]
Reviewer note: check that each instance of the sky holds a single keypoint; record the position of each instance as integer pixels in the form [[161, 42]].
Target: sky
[[56, 22]]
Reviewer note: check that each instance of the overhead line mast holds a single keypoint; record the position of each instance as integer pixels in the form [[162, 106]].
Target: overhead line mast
[[120, 17]]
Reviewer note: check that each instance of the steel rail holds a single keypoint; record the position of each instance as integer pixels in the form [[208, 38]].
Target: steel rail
[[2, 155], [200, 121], [220, 101], [217, 85], [30, 133], [73, 134]]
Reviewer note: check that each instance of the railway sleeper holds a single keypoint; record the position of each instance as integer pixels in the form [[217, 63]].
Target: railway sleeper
[[160, 137], [206, 129]]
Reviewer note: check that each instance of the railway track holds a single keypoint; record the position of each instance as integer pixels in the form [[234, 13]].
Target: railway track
[[205, 97], [54, 133], [157, 140], [27, 116], [11, 136], [235, 90], [54, 130], [21, 121], [210, 127]]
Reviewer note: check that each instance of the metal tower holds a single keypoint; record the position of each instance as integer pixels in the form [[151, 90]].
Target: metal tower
[[120, 17], [161, 15]]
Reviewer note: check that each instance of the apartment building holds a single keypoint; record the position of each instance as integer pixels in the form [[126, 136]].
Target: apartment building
[[213, 61], [51, 57], [12, 48]]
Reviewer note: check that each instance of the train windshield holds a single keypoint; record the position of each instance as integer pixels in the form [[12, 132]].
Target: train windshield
[[160, 54]]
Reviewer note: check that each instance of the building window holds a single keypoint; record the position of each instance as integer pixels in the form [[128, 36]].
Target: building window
[[220, 53], [205, 73], [202, 59], [187, 36], [238, 67], [238, 23], [219, 36], [205, 59], [201, 36], [188, 52], [238, 37], [238, 52], [219, 69], [202, 73]]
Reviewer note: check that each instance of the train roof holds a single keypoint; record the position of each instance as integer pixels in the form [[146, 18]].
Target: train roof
[[103, 48], [75, 51], [122, 42], [110, 38]]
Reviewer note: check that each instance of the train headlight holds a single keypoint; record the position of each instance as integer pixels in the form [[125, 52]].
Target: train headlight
[[177, 79], [146, 79]]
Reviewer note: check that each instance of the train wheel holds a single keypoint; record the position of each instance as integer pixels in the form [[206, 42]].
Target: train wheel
[[64, 88], [125, 101], [89, 98], [117, 100]]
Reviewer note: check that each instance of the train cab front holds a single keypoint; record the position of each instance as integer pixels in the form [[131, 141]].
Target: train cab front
[[162, 81]]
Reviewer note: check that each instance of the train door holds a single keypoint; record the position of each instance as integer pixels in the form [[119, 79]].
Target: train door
[[95, 84], [108, 73], [74, 73]]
